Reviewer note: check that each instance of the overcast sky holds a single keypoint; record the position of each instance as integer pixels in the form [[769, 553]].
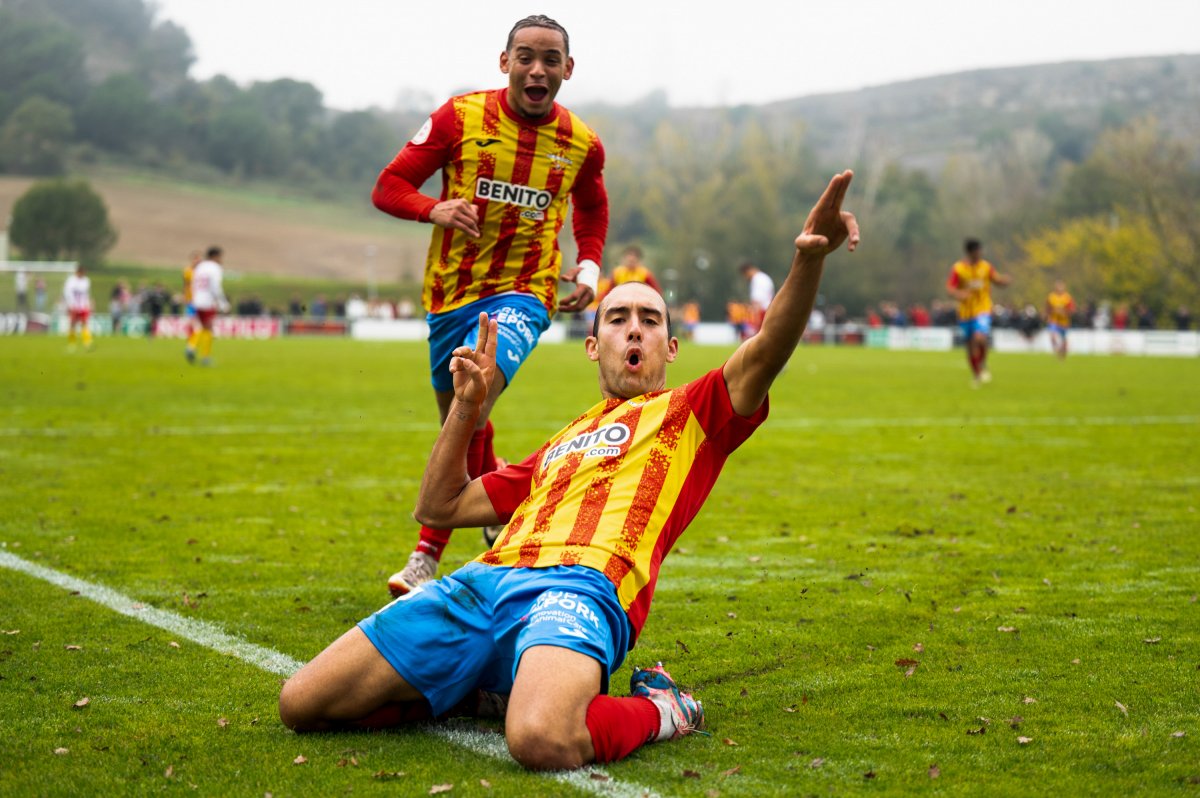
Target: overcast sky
[[361, 53]]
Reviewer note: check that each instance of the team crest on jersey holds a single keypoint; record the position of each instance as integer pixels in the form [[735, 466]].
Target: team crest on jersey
[[559, 162], [422, 135], [605, 441]]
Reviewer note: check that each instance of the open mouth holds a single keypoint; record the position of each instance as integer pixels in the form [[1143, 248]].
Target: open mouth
[[537, 93], [633, 359]]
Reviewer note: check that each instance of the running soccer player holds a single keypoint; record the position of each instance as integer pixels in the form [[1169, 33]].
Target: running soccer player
[[1059, 307], [970, 282], [189, 309], [510, 158], [548, 614], [632, 270], [208, 297], [77, 296]]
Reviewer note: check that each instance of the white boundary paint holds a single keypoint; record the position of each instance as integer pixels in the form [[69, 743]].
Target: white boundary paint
[[592, 779], [806, 422]]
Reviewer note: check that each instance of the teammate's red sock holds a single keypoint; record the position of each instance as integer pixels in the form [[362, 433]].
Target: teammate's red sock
[[433, 541], [975, 360], [489, 456], [620, 726]]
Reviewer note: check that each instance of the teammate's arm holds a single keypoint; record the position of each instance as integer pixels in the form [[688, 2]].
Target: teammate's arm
[[448, 497], [397, 191], [1000, 279], [754, 366], [589, 223]]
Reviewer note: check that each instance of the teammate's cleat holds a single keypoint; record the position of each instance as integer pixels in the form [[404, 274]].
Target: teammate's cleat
[[985, 376], [679, 713], [190, 354], [419, 570], [490, 533]]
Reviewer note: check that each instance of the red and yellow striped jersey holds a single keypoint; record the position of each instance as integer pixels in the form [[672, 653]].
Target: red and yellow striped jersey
[[1059, 307], [638, 273], [518, 173], [977, 279], [618, 485]]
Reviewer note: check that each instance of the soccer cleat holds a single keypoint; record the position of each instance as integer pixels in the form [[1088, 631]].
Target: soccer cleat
[[419, 570], [490, 533], [679, 713], [985, 376], [190, 354]]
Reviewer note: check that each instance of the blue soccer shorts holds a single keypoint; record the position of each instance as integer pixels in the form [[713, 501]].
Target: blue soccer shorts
[[1055, 329], [469, 629], [521, 319], [981, 324]]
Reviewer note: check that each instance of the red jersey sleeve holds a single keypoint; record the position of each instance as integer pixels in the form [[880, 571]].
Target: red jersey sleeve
[[590, 220], [509, 486], [710, 402], [953, 281], [398, 189]]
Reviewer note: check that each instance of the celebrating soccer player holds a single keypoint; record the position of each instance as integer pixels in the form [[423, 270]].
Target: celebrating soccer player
[[550, 611], [510, 158], [970, 283]]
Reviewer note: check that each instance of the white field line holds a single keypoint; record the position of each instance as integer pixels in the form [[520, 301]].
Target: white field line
[[592, 780], [783, 423]]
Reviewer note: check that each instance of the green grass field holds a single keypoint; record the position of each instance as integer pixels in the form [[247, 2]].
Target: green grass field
[[899, 586]]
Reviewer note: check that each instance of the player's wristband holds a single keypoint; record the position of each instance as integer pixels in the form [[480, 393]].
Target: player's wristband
[[589, 274]]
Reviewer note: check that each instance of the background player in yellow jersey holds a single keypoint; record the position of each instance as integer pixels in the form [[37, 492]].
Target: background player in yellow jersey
[[970, 282], [189, 309], [632, 270], [550, 611], [1059, 307], [510, 158]]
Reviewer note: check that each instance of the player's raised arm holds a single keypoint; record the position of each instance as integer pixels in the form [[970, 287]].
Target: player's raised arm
[[448, 497], [754, 366]]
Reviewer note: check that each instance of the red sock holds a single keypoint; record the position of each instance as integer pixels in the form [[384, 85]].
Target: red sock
[[620, 726], [475, 453], [433, 541], [974, 359], [489, 456]]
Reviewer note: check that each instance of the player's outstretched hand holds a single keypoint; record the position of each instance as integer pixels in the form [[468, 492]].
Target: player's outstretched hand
[[472, 369], [580, 298], [456, 214], [828, 225]]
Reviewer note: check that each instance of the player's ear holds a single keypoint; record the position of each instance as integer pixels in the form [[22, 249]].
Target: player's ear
[[570, 68], [591, 346], [672, 349], [504, 62]]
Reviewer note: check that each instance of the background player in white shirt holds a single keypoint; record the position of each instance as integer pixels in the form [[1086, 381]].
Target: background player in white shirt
[[77, 294], [208, 297], [762, 291]]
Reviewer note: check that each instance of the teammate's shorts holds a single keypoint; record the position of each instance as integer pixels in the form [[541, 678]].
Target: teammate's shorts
[[190, 310], [978, 324], [469, 629], [79, 316], [1057, 329], [206, 316], [522, 319]]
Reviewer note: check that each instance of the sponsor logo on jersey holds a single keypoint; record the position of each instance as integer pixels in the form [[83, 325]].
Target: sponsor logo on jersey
[[422, 135], [513, 194], [486, 142], [603, 442]]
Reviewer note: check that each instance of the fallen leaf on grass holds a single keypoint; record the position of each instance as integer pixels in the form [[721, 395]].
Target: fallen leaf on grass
[[300, 760], [942, 715], [1076, 661], [11, 631], [691, 774], [598, 776], [980, 730], [1006, 628], [918, 647], [683, 647], [222, 722], [1152, 640], [485, 784], [910, 671], [731, 771], [745, 692], [816, 763], [1016, 721], [934, 771], [1122, 707], [83, 702], [727, 741], [1178, 734], [1024, 740], [384, 775], [905, 663], [173, 644], [438, 788], [73, 648], [169, 772], [731, 615], [870, 774], [1028, 700], [755, 558], [62, 751]]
